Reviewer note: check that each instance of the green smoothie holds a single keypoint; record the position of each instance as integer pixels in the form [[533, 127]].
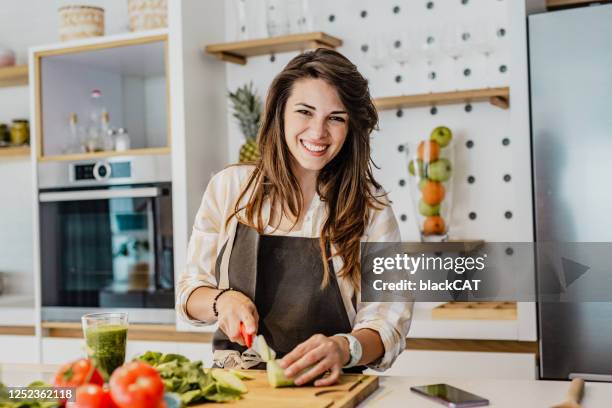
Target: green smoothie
[[106, 346]]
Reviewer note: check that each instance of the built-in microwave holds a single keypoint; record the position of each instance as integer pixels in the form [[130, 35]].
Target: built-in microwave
[[106, 238]]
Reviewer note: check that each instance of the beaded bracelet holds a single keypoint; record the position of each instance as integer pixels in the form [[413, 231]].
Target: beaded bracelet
[[216, 298]]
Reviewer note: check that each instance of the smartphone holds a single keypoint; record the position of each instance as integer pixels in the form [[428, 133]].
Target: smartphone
[[450, 396]]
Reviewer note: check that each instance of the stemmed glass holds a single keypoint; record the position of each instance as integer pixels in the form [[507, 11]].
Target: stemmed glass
[[429, 47], [404, 48], [487, 36], [377, 52], [301, 18], [242, 29], [454, 45], [277, 19]]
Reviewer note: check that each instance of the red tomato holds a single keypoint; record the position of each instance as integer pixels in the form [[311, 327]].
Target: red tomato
[[77, 373], [93, 396], [136, 385]]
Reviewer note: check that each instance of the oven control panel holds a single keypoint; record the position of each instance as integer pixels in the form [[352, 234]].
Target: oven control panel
[[101, 170]]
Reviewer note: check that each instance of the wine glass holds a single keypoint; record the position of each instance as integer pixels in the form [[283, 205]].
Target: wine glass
[[376, 51], [277, 19], [403, 48], [242, 32], [453, 45], [429, 49], [488, 36], [301, 18]]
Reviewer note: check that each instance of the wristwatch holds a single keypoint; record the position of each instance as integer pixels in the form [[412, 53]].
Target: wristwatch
[[354, 349]]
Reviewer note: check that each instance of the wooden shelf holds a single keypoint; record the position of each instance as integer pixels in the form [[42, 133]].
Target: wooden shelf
[[238, 52], [475, 311], [556, 4], [99, 155], [16, 151], [499, 97], [14, 76]]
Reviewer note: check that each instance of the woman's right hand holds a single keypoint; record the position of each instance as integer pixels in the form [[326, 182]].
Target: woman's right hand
[[234, 307]]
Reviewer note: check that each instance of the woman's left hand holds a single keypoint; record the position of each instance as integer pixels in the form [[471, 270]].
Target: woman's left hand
[[323, 354]]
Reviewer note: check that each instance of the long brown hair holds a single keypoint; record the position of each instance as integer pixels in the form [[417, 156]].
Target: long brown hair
[[346, 184]]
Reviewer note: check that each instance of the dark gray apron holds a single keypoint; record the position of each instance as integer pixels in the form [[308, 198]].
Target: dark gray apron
[[282, 275]]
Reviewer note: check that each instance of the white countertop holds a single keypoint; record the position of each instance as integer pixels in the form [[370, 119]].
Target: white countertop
[[395, 392]]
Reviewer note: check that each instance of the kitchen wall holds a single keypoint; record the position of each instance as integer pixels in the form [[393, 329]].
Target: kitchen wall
[[24, 24], [492, 180]]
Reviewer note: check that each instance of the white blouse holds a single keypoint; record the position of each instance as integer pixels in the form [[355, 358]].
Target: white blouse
[[390, 319]]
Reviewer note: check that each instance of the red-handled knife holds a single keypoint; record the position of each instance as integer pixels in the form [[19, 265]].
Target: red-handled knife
[[248, 338]]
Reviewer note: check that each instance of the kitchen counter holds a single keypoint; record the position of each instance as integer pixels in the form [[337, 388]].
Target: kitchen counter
[[395, 391]]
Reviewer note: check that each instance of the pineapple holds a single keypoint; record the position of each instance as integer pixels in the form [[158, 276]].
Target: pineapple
[[249, 151], [247, 109]]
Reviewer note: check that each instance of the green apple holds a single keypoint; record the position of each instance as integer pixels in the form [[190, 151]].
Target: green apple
[[414, 165], [440, 170], [427, 210], [442, 135], [422, 183]]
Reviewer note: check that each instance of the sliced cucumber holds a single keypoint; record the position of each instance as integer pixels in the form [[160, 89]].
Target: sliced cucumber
[[261, 347], [229, 382], [241, 375], [276, 375]]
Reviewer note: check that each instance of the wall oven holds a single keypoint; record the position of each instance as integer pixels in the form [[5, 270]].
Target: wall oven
[[106, 238]]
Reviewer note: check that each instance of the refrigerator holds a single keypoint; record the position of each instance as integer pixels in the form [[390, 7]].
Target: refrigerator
[[570, 69]]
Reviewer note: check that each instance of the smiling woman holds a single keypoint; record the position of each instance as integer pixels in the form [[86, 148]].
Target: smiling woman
[[275, 247], [314, 131]]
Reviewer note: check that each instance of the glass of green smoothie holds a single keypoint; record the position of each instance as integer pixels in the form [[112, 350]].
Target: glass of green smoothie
[[106, 335]]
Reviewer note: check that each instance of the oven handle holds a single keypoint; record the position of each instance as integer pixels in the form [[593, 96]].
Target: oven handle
[[82, 195]]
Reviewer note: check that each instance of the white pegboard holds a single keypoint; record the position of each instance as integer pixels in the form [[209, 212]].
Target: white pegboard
[[489, 207]]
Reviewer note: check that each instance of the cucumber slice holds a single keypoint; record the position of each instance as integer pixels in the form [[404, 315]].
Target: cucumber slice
[[229, 382], [261, 347], [241, 375], [276, 375]]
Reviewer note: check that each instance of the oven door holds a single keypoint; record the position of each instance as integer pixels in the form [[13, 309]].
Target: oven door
[[109, 248]]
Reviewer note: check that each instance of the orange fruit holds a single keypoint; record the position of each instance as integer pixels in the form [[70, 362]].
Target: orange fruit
[[433, 192], [428, 150], [433, 225]]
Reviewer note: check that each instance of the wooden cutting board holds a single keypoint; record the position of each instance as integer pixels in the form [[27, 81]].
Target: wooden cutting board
[[350, 390]]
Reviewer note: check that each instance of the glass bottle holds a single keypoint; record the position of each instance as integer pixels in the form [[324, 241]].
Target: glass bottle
[[95, 138], [106, 133], [122, 141], [20, 132], [74, 144]]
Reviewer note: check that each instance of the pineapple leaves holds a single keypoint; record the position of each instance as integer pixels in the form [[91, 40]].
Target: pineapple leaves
[[247, 107]]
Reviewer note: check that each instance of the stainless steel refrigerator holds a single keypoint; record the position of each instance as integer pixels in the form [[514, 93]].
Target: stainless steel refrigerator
[[570, 57]]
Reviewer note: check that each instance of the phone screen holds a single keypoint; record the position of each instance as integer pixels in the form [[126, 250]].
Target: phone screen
[[448, 393]]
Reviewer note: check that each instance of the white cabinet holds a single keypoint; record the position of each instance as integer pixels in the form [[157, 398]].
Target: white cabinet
[[18, 349], [62, 350]]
